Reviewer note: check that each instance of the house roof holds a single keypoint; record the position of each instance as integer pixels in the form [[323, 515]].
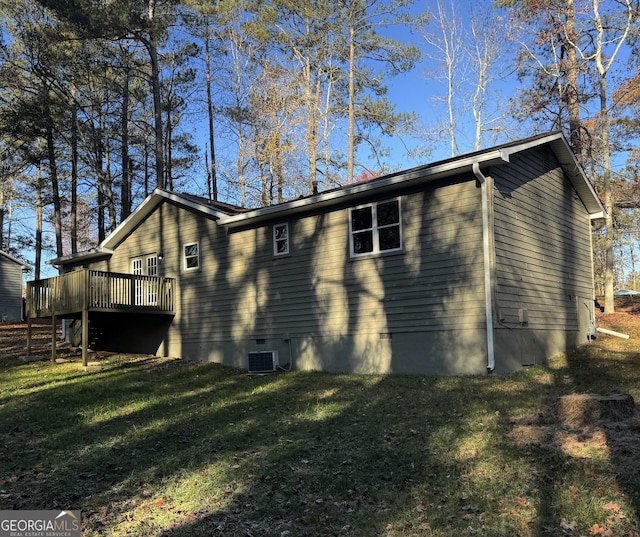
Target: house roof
[[494, 156], [88, 255], [214, 209], [232, 216], [14, 259]]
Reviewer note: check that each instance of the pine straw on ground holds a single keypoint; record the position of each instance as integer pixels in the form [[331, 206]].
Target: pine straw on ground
[[13, 339]]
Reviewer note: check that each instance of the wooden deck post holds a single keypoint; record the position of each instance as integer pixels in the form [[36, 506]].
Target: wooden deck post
[[85, 335], [53, 339], [29, 321]]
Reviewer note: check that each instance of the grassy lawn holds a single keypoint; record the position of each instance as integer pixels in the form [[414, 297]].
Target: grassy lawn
[[148, 446]]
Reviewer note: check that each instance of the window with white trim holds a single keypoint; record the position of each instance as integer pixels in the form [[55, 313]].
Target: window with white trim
[[191, 256], [281, 239], [375, 228]]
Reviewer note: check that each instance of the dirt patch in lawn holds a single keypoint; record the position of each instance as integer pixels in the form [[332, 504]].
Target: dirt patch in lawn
[[577, 428]]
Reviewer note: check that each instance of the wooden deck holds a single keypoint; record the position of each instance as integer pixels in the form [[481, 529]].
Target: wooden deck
[[78, 293], [94, 290]]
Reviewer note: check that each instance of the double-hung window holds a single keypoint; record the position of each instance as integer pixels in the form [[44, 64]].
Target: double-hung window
[[281, 239], [375, 228], [191, 256]]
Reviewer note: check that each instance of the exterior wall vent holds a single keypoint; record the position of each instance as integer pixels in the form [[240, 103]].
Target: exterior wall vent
[[263, 361]]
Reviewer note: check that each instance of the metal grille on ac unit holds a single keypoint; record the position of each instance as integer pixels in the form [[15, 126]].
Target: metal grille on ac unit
[[263, 361]]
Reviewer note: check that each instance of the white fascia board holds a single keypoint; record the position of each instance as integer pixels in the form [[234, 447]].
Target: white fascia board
[[87, 255], [125, 227], [389, 183], [146, 207], [576, 175]]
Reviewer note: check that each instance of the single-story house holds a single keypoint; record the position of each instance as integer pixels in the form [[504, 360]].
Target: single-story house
[[477, 263], [10, 288]]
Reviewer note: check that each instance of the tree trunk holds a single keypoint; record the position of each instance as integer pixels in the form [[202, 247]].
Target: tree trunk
[[100, 173], [571, 90], [74, 180], [147, 174], [152, 49], [312, 121], [108, 188], [168, 149], [609, 306], [55, 188], [2, 218], [157, 114], [213, 181], [125, 186], [351, 97], [38, 245]]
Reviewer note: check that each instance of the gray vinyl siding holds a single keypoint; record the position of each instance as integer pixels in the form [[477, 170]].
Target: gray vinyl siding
[[10, 290], [319, 289], [332, 311], [542, 244]]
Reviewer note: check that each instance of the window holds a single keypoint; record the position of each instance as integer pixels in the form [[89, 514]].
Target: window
[[281, 239], [191, 256], [375, 228]]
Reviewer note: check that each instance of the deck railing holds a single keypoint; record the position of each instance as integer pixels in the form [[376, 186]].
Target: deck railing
[[95, 290]]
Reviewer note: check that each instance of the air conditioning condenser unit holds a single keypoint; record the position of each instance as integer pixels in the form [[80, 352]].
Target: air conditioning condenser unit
[[263, 361]]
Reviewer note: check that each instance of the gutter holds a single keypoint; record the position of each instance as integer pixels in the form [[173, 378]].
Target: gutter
[[94, 253], [350, 193], [486, 247]]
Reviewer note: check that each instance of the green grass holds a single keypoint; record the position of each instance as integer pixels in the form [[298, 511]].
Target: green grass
[[149, 446]]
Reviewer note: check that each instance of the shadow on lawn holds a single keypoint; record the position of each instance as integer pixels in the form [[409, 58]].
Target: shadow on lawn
[[614, 371], [308, 454]]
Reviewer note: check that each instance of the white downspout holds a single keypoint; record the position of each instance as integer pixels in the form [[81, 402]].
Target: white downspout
[[486, 247]]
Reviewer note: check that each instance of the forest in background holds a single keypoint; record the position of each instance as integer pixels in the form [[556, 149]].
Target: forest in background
[[252, 102]]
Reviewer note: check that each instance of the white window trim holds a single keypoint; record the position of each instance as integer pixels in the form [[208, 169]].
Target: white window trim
[[374, 223], [184, 257], [275, 241]]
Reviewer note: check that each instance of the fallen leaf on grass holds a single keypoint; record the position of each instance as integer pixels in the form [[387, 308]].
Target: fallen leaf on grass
[[568, 526], [611, 507], [597, 529]]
